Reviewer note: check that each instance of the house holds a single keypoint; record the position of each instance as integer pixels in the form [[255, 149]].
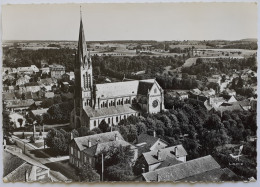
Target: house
[[227, 107], [201, 169], [49, 94], [45, 70], [88, 148], [28, 70], [230, 92], [30, 87], [19, 105], [215, 79], [215, 102], [182, 95], [245, 104], [38, 112], [57, 71], [146, 143], [22, 80], [47, 83], [164, 157], [208, 93], [65, 77], [14, 117], [21, 168]]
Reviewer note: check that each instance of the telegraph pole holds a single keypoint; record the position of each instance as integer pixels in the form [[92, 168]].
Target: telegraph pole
[[102, 175]]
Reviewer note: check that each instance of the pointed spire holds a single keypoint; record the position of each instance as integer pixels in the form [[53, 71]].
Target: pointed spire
[[82, 46]]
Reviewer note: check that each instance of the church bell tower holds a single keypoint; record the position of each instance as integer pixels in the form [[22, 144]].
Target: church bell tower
[[83, 92]]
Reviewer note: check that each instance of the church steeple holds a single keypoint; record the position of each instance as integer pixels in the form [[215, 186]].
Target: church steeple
[[82, 46]]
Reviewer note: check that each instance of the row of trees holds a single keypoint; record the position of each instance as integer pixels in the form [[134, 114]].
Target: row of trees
[[220, 66]]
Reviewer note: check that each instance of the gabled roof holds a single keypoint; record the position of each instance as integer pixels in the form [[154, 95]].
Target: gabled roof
[[40, 111], [212, 175], [116, 89], [20, 103], [152, 158], [169, 161], [106, 146], [228, 108], [182, 170], [149, 140], [8, 96], [82, 142], [111, 90]]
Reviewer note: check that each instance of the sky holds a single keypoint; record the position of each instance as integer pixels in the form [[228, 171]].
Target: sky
[[141, 21]]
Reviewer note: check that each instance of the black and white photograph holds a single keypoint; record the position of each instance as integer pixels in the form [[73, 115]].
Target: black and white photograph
[[129, 92]]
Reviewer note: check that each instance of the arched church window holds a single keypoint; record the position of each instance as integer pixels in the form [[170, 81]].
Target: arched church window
[[95, 123]]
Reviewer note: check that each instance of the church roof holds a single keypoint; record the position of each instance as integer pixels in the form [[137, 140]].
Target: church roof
[[121, 109], [117, 89]]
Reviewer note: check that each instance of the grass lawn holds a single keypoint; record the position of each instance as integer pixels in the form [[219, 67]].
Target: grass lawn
[[64, 168]]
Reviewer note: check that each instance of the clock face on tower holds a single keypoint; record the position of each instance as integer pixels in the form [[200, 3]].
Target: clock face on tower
[[155, 103]]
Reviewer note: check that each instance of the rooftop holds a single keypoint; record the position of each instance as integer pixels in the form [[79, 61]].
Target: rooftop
[[121, 109], [183, 170], [152, 156], [82, 142]]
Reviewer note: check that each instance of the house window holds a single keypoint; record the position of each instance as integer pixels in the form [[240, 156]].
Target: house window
[[109, 120], [71, 150], [78, 154], [95, 123], [116, 119]]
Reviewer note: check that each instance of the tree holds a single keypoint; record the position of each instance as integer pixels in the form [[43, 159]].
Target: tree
[[47, 103], [213, 122], [119, 172], [7, 124], [103, 126], [20, 120], [87, 174], [240, 83], [58, 140]]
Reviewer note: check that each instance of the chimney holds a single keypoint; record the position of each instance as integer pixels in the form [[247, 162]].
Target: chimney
[[159, 154], [154, 133], [26, 176], [89, 143], [176, 151], [71, 136], [116, 137]]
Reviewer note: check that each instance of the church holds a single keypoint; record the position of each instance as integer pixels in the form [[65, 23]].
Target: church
[[111, 102]]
